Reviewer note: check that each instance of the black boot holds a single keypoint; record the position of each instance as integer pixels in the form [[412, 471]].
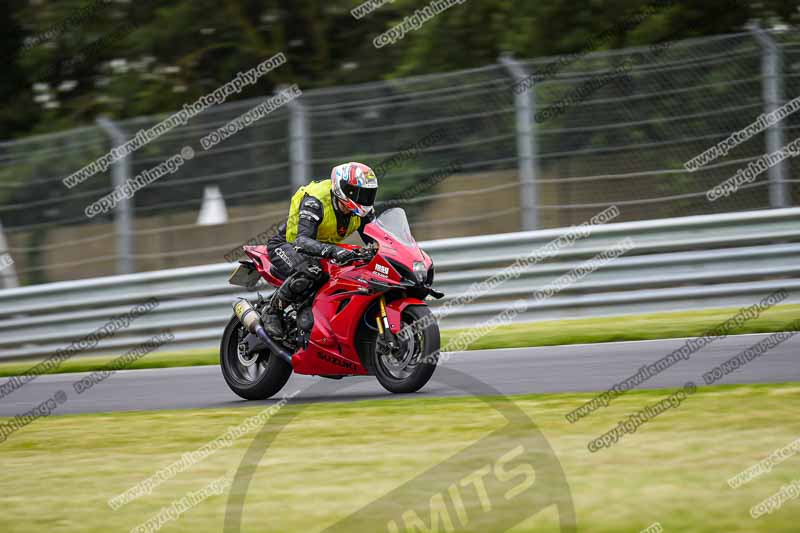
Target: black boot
[[273, 324]]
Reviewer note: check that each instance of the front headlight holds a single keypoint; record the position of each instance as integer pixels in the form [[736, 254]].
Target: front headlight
[[420, 272]]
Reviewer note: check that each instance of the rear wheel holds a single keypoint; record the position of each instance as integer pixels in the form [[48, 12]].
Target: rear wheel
[[254, 377], [409, 368]]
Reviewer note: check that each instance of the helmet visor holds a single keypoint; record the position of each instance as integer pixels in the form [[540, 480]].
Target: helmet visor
[[360, 195]]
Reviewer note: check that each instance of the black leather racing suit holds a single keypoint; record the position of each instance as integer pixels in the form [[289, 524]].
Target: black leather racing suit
[[297, 262]]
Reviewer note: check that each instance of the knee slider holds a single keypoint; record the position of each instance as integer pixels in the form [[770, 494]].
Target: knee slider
[[299, 285]]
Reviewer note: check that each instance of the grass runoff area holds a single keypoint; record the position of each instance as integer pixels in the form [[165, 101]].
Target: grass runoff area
[[547, 333], [330, 460]]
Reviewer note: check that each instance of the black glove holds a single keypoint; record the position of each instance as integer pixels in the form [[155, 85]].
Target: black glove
[[341, 255]]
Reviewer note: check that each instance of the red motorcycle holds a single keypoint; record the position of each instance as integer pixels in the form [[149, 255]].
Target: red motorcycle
[[369, 318]]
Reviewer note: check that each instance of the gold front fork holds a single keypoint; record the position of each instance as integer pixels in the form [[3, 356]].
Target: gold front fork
[[382, 319]]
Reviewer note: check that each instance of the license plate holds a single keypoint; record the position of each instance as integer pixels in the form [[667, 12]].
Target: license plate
[[245, 275]]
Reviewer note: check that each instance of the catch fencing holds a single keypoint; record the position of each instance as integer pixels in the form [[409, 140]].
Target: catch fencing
[[481, 156]]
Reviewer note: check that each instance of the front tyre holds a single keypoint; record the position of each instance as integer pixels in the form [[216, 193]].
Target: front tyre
[[409, 368], [257, 377]]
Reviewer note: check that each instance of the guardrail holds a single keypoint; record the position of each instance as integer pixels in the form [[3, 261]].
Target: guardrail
[[682, 263]]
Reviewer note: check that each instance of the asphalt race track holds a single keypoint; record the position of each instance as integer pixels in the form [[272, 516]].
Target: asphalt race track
[[591, 367]]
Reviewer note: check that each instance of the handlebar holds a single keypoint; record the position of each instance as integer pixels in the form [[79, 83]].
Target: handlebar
[[364, 253]]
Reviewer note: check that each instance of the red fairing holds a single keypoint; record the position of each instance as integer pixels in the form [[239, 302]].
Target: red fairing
[[394, 311], [346, 299], [260, 258], [338, 307]]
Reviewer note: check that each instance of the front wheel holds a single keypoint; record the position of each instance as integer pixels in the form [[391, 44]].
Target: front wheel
[[254, 377], [411, 367]]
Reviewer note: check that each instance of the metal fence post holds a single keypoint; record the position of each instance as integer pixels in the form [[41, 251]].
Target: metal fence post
[[120, 172], [524, 103], [299, 143], [772, 87], [8, 274]]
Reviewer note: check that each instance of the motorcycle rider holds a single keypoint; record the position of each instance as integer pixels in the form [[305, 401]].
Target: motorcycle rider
[[322, 214]]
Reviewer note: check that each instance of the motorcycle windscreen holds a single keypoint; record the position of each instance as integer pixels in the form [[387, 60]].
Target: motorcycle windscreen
[[395, 223]]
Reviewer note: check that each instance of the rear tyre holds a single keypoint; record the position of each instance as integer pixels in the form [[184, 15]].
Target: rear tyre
[[253, 378], [411, 368]]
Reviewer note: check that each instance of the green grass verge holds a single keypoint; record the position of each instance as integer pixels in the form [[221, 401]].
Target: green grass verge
[[59, 472], [630, 328], [549, 333]]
